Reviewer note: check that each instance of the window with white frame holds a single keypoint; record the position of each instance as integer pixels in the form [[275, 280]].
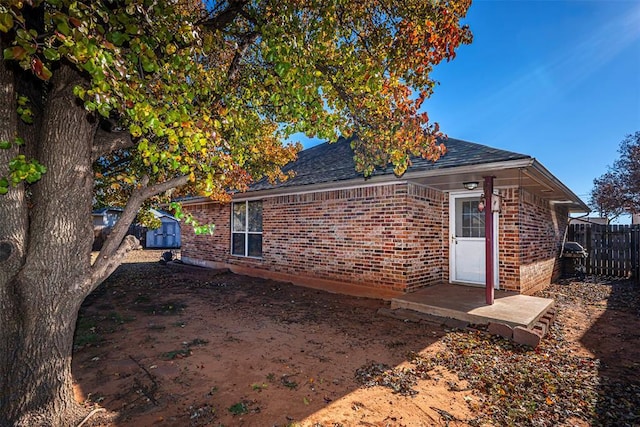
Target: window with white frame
[[471, 223], [246, 228]]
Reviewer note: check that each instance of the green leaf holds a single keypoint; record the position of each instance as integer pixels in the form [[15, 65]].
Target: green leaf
[[282, 68], [90, 66], [62, 25], [135, 130], [118, 38], [271, 55], [34, 177], [104, 109], [16, 52], [26, 115], [51, 54], [204, 229], [148, 65], [6, 22], [79, 91], [4, 145], [132, 29], [154, 123]]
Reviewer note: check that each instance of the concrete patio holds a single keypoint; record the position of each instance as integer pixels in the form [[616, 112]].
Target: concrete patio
[[467, 303]]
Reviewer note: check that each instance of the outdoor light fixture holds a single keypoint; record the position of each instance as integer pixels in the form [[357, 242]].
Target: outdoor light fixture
[[470, 185]]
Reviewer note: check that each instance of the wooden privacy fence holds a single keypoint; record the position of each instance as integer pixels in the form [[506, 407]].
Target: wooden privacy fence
[[614, 250]]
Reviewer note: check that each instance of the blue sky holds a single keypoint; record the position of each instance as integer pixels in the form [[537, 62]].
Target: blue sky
[[557, 80]]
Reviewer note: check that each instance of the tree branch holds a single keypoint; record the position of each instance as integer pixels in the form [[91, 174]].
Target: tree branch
[[342, 93], [106, 142], [247, 40], [114, 248], [225, 17]]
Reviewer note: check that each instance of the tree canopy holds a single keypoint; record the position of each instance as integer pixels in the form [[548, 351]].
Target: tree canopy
[[210, 91], [618, 190]]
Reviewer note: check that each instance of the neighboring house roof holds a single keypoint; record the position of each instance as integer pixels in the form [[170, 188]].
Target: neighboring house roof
[[333, 162], [162, 214], [102, 211], [155, 212], [590, 220]]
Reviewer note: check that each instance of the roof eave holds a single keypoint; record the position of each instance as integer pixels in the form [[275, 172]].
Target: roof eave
[[324, 186], [471, 169], [525, 163], [576, 203], [388, 178]]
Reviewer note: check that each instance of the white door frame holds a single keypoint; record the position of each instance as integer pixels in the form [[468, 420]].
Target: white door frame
[[452, 214]]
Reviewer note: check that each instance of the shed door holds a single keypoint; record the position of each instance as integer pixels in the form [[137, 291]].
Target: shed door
[[167, 236], [169, 231], [467, 240]]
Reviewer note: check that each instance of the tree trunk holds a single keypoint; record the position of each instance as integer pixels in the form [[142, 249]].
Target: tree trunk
[[38, 390], [45, 257]]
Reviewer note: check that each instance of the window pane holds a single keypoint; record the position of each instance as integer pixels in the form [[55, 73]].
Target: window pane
[[255, 216], [467, 208], [237, 244], [255, 245], [477, 221], [239, 216], [477, 225], [472, 220]]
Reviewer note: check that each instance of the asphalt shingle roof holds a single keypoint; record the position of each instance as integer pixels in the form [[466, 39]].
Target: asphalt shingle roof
[[333, 162]]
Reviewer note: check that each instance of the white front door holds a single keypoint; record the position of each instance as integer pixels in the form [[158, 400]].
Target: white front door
[[467, 240]]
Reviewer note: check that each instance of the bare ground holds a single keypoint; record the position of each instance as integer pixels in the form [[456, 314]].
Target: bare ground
[[175, 345]]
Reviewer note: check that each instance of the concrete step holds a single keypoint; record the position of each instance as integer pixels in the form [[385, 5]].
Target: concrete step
[[526, 336]]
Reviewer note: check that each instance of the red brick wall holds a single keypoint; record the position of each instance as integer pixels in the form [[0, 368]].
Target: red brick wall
[[355, 235], [426, 253], [509, 240], [382, 237], [391, 238], [542, 227], [207, 247], [530, 234]]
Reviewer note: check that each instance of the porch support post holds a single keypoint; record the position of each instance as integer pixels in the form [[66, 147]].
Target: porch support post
[[489, 238]]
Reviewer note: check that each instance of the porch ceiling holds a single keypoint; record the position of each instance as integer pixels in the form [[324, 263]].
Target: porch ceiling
[[530, 177]]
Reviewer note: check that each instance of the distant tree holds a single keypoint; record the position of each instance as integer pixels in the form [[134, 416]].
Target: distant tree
[[120, 101], [618, 190]]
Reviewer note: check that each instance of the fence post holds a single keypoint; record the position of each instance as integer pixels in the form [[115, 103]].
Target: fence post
[[635, 253], [589, 262]]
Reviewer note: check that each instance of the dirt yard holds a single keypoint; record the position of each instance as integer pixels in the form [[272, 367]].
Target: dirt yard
[[175, 345]]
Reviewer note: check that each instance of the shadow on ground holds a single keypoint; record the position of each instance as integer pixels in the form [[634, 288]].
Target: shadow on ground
[[175, 345], [614, 339]]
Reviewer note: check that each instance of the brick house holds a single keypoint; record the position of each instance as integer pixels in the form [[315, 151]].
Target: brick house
[[329, 228]]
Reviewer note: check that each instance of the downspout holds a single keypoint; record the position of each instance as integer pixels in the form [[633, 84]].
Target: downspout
[[489, 239]]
